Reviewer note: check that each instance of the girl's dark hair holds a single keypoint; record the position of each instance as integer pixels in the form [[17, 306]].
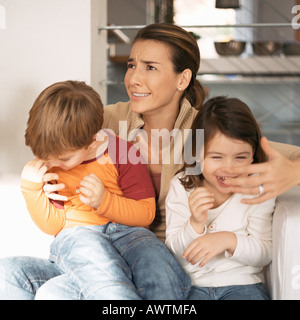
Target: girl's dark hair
[[185, 55], [231, 117]]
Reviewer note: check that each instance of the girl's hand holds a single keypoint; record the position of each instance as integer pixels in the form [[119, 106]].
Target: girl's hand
[[93, 191], [200, 200], [208, 246]]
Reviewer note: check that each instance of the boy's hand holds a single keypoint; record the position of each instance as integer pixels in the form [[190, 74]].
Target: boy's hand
[[51, 189], [200, 200], [92, 190], [34, 170]]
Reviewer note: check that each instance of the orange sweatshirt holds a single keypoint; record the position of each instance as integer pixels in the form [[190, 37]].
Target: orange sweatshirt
[[129, 197]]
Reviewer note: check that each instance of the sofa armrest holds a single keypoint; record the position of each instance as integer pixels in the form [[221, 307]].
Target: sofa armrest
[[284, 272]]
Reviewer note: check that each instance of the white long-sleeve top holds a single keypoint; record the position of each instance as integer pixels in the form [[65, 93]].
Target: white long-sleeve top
[[252, 225]]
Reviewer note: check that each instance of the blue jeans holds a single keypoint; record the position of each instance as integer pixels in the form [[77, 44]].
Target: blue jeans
[[113, 262], [240, 292]]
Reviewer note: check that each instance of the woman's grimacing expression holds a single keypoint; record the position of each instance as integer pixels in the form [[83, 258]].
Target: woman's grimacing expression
[[150, 80], [224, 152]]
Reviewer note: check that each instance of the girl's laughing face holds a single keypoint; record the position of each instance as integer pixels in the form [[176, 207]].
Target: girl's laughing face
[[224, 152]]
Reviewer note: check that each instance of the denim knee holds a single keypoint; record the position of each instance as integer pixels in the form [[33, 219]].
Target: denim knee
[[20, 277], [11, 271], [156, 272]]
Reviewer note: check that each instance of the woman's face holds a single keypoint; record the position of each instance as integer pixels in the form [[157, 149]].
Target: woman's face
[[150, 80]]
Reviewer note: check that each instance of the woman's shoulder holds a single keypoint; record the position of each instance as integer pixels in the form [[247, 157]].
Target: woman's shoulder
[[289, 151], [119, 108], [113, 113]]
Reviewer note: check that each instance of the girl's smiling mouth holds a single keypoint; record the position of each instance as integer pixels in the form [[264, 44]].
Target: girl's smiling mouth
[[222, 179]]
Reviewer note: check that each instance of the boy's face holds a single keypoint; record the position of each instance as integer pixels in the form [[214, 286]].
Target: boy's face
[[223, 152], [69, 159]]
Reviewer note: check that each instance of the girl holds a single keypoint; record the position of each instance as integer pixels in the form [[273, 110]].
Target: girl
[[221, 243]]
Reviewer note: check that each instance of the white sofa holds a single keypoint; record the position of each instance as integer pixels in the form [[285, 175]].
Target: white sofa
[[283, 275], [19, 236]]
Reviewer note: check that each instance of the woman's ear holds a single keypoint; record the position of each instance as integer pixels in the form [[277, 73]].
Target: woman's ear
[[184, 79]]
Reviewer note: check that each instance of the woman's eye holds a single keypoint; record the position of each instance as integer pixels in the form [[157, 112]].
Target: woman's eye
[[150, 67], [130, 66]]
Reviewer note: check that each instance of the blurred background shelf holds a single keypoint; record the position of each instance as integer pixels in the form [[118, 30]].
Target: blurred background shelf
[[255, 65]]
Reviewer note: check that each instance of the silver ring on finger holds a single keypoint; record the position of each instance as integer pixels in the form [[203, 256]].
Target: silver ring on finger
[[261, 190]]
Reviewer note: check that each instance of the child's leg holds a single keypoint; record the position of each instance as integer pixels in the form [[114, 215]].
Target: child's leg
[[256, 291], [155, 271], [21, 277], [200, 293], [88, 257], [59, 288]]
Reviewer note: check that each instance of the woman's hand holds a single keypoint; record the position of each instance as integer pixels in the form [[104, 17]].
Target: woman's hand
[[93, 191], [200, 201], [208, 246], [277, 175]]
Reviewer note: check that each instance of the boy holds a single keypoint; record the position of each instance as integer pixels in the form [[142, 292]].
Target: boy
[[105, 196]]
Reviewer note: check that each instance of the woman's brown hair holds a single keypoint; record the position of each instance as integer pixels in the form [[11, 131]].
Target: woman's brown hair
[[64, 117], [185, 54], [231, 117]]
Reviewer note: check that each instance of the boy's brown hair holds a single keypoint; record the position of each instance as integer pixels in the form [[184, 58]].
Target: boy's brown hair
[[64, 117]]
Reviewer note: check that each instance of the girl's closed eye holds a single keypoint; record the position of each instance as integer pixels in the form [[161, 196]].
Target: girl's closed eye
[[244, 156]]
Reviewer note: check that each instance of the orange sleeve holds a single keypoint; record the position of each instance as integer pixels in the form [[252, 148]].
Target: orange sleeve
[[135, 213], [136, 205], [45, 215]]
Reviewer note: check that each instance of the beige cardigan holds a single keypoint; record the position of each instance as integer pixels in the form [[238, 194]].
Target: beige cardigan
[[121, 112]]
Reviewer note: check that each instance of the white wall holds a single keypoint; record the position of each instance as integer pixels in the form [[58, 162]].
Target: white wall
[[44, 41]]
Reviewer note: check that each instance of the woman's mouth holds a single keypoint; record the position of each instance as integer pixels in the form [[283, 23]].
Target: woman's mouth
[[138, 95]]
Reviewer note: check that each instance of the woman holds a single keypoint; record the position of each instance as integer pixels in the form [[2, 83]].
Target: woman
[[164, 93]]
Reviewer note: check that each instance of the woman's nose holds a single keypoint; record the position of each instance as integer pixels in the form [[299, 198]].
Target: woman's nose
[[134, 77]]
